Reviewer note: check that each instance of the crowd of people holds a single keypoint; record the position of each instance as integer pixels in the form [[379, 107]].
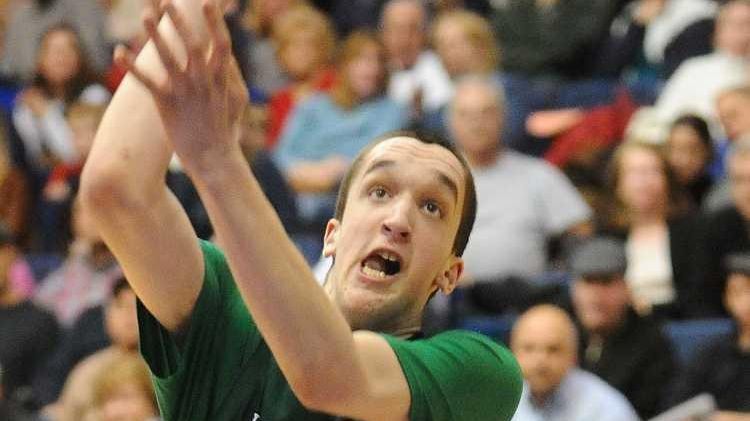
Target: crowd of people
[[609, 142]]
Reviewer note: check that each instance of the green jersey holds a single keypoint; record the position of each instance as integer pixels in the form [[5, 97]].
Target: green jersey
[[221, 369]]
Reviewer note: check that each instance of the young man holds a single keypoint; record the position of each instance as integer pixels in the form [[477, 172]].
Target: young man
[[252, 336]]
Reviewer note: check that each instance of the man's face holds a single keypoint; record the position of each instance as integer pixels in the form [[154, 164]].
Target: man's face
[[739, 175], [600, 305], [394, 245], [737, 297], [476, 120], [544, 347], [734, 113], [733, 29], [403, 33]]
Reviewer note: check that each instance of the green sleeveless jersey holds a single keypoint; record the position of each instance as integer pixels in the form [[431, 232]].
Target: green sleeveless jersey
[[221, 369]]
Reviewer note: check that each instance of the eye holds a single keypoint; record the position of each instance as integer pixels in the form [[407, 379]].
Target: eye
[[432, 208], [378, 193]]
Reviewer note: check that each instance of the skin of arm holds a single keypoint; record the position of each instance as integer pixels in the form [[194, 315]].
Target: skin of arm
[[352, 375], [122, 186]]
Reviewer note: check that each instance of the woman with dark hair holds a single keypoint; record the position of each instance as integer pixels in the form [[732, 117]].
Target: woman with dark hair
[[690, 153], [63, 76], [649, 211]]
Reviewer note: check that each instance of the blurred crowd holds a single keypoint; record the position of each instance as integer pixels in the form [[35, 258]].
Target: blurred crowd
[[609, 142]]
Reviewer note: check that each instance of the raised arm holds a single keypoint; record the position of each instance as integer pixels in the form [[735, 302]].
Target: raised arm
[[123, 186], [329, 368]]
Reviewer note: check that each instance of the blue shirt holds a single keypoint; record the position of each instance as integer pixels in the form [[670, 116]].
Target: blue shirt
[[581, 396]]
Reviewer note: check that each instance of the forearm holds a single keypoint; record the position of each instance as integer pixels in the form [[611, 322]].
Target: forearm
[[288, 305]]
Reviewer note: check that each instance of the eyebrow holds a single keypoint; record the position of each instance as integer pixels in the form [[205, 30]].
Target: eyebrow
[[439, 175]]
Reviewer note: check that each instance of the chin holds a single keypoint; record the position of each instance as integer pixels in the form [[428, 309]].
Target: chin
[[368, 310]]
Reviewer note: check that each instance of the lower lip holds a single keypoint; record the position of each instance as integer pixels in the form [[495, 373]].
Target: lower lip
[[373, 280]]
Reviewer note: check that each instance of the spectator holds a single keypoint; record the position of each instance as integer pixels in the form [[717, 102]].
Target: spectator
[[723, 368], [544, 341], [86, 276], [725, 231], [626, 350], [77, 400], [523, 202], [305, 43], [733, 106], [417, 76], [690, 152], [328, 130], [28, 333], [649, 214], [123, 391], [34, 18], [696, 84], [63, 76]]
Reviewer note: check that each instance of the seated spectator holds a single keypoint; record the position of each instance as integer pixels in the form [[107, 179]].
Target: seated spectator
[[63, 76], [86, 276], [417, 78], [626, 350], [723, 369], [326, 132], [523, 201], [733, 106], [466, 46], [62, 184], [123, 391], [696, 84], [544, 341], [690, 152], [648, 213], [76, 401], [29, 334], [724, 232], [305, 43], [261, 54], [31, 19]]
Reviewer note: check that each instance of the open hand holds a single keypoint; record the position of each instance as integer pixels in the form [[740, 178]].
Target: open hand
[[199, 101]]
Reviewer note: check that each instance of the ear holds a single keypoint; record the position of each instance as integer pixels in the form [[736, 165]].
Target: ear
[[447, 281], [330, 238]]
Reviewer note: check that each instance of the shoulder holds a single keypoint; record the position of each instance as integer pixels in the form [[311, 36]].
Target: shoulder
[[598, 390], [464, 371]]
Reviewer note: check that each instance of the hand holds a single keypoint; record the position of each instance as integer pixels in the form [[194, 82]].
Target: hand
[[200, 102], [36, 101]]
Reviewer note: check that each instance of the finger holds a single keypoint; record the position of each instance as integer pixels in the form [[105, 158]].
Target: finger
[[165, 53], [221, 43], [126, 59], [192, 46]]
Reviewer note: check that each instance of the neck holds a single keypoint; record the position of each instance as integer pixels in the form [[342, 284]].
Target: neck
[[484, 159]]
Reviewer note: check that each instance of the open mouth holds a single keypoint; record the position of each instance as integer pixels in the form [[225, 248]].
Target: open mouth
[[381, 264]]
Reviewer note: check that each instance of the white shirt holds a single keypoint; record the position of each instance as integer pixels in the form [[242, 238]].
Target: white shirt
[[429, 75]]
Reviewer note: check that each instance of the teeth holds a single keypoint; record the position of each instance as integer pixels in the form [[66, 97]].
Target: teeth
[[388, 256], [373, 273]]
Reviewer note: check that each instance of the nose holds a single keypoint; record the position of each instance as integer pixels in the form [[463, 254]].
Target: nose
[[397, 226]]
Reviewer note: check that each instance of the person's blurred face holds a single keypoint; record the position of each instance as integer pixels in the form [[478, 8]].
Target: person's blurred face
[[545, 349], [365, 72], [642, 184], [737, 298], [739, 176], [8, 255], [734, 113], [600, 304], [687, 154], [128, 402], [59, 57], [121, 320], [476, 120], [302, 56], [458, 53], [733, 29], [83, 128], [403, 33]]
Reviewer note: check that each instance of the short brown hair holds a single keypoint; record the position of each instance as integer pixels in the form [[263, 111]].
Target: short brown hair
[[479, 32], [469, 208], [305, 18]]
